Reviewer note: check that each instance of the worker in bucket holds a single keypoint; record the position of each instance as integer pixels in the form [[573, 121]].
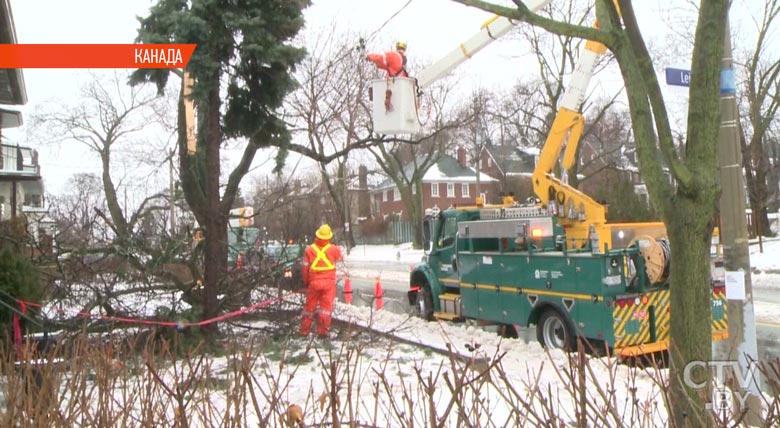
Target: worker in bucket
[[394, 62], [319, 276]]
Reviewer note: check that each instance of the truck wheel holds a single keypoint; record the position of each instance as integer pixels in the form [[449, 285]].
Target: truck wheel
[[423, 307], [554, 331], [507, 331]]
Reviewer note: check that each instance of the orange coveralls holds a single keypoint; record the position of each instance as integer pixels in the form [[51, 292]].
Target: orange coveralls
[[392, 62], [319, 276]]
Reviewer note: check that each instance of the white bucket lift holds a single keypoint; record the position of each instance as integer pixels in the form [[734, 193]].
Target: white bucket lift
[[395, 112]]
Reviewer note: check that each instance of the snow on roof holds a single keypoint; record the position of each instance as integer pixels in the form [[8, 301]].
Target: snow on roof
[[446, 169], [469, 175]]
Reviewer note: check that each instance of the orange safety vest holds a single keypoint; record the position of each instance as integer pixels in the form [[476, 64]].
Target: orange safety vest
[[321, 261]]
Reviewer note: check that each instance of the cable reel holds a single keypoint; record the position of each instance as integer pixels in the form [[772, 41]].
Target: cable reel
[[657, 255]]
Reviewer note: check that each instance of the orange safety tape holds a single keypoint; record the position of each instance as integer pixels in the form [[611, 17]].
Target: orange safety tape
[[178, 324]]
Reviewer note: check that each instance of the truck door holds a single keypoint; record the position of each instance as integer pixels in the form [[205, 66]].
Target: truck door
[[443, 257]]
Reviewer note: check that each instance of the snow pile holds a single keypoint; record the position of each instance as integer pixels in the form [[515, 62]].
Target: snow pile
[[403, 253], [767, 261], [388, 262]]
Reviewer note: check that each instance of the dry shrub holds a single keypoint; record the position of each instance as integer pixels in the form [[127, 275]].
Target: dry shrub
[[106, 382]]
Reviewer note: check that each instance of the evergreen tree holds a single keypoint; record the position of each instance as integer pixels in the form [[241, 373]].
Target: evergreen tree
[[242, 68], [18, 281]]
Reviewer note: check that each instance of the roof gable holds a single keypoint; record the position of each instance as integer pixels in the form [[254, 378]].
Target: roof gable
[[446, 169], [513, 159]]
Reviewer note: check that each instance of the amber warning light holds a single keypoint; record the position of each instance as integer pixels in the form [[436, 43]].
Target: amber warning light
[[95, 56]]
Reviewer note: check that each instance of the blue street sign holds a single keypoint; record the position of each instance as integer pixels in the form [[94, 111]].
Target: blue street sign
[[678, 77], [728, 82]]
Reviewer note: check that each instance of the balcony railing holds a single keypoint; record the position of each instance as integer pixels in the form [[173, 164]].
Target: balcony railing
[[17, 160]]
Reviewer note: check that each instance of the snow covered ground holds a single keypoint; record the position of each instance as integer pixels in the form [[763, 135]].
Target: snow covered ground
[[527, 358], [765, 265], [524, 364]]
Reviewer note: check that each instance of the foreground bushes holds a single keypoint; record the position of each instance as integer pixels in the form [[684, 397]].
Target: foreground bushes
[[112, 381]]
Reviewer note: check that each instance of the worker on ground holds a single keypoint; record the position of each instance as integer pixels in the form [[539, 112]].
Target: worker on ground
[[319, 276], [394, 62]]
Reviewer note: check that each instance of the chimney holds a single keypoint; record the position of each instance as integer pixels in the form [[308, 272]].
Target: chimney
[[363, 177], [462, 157]]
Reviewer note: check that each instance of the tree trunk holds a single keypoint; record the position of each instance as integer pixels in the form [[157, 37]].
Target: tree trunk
[[413, 202], [691, 295], [416, 217], [215, 263], [757, 167], [112, 201]]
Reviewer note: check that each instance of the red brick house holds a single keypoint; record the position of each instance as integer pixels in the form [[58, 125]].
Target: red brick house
[[448, 182], [512, 166]]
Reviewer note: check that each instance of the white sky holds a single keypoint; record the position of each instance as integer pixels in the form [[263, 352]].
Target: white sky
[[430, 27]]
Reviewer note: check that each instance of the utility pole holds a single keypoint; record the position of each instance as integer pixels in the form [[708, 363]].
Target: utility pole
[[741, 343]]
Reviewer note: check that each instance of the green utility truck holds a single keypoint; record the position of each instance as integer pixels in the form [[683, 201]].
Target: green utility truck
[[509, 265]]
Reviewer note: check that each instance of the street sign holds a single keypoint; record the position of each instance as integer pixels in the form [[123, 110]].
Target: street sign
[[678, 77], [728, 83]]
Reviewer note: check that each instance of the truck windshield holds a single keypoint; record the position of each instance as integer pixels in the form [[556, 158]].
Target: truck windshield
[[427, 242], [449, 229]]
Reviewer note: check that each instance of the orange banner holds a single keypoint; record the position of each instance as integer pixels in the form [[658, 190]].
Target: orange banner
[[95, 56]]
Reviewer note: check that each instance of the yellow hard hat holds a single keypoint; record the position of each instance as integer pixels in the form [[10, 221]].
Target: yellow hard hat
[[400, 45], [324, 232]]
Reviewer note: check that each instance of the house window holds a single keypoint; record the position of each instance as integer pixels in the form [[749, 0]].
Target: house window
[[490, 162], [434, 190], [450, 190], [464, 190], [32, 200], [396, 194], [384, 196], [414, 189]]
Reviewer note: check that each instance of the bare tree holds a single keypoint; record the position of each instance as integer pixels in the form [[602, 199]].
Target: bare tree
[[524, 115], [758, 92], [284, 205], [124, 239], [760, 107], [109, 118], [329, 110], [476, 131], [405, 163], [78, 224], [689, 206]]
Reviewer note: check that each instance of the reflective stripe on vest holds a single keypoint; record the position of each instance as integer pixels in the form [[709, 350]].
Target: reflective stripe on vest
[[321, 257]]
